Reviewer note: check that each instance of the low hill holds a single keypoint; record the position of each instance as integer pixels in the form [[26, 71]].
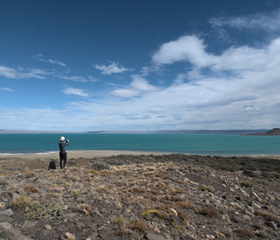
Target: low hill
[[272, 132]]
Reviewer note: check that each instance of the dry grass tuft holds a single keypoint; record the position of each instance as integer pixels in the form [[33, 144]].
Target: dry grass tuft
[[158, 213], [22, 202], [209, 211], [123, 232], [86, 209], [30, 189], [266, 216], [30, 175], [138, 226], [74, 178], [186, 205], [55, 195], [245, 233], [107, 172], [183, 216], [92, 172], [119, 221], [137, 190], [246, 183], [75, 192]]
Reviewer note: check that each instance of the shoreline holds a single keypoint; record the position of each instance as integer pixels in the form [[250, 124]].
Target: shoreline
[[78, 154], [109, 153]]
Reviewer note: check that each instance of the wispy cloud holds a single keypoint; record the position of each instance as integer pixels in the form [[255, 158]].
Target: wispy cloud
[[138, 87], [264, 21], [7, 89], [113, 68], [22, 73], [78, 78], [75, 91], [191, 49], [40, 58]]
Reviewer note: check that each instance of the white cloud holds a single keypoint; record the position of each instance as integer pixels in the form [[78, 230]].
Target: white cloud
[[7, 89], [138, 87], [75, 91], [111, 69], [247, 98], [236, 89], [22, 73], [40, 58], [267, 22], [78, 78], [244, 58], [125, 93], [186, 48], [7, 72]]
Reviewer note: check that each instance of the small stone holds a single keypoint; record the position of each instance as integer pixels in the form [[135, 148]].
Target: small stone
[[256, 205], [62, 228], [151, 236], [8, 212], [48, 227], [272, 225], [70, 215], [210, 236], [69, 236], [22, 237], [5, 218], [4, 226], [80, 225], [96, 211], [28, 224], [13, 232], [247, 218], [156, 230], [15, 196]]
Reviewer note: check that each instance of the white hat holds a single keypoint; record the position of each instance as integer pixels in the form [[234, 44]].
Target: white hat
[[62, 138]]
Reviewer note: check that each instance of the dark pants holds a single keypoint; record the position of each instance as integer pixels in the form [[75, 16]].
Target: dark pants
[[63, 158]]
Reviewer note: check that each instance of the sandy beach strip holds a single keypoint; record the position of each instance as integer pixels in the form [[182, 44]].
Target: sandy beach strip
[[87, 154], [78, 154]]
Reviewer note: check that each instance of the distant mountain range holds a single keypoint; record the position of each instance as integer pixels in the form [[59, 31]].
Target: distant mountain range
[[257, 132]]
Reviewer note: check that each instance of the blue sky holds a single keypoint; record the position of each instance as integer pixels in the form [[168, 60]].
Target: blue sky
[[139, 65]]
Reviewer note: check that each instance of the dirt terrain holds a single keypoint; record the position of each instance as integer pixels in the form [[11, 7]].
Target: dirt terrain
[[148, 196]]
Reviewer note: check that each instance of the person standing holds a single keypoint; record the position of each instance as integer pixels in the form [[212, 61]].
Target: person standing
[[62, 152]]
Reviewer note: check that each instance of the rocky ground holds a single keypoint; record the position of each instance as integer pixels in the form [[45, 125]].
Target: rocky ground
[[153, 197]]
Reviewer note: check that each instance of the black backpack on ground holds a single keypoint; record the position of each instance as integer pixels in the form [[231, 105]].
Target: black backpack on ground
[[52, 165]]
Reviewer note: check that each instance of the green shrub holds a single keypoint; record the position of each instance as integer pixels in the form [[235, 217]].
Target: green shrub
[[246, 183], [22, 202], [38, 210], [119, 221], [206, 188]]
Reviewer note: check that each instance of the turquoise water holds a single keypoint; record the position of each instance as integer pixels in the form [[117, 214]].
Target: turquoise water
[[203, 144]]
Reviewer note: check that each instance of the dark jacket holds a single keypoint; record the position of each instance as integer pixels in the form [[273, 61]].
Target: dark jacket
[[62, 145]]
